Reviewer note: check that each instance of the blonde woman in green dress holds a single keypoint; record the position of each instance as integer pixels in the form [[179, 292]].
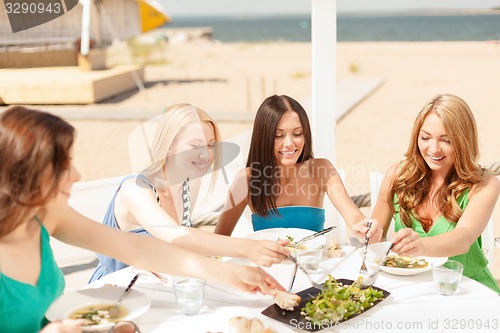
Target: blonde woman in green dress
[[440, 197]]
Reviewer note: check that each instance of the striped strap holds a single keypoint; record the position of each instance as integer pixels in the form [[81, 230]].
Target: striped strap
[[186, 204]]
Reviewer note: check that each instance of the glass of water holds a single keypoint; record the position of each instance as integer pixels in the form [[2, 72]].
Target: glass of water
[[447, 276], [309, 255], [189, 293]]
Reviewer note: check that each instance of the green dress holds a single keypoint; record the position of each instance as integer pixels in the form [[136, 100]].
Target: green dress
[[474, 261], [22, 305]]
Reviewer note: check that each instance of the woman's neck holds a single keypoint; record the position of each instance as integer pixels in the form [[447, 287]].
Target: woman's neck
[[22, 232]]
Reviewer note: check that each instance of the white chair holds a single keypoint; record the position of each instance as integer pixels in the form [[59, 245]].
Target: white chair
[[91, 199], [487, 237], [376, 179]]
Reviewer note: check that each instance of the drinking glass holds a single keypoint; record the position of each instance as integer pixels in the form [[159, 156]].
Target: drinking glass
[[309, 255], [447, 276], [189, 293]]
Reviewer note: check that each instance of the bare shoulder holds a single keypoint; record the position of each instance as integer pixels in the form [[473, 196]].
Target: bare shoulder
[[241, 179], [320, 163], [242, 175], [393, 170], [490, 184], [133, 188]]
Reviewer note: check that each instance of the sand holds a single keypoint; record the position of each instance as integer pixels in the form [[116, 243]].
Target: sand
[[235, 78]]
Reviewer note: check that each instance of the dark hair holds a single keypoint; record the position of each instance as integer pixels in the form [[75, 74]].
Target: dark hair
[[34, 150], [261, 161]]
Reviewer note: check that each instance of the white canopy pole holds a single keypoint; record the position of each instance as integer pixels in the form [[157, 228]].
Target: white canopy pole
[[324, 41], [84, 42]]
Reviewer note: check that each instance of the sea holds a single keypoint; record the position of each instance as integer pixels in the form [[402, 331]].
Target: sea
[[366, 27]]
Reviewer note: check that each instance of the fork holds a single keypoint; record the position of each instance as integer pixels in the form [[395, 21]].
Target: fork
[[363, 270], [314, 284]]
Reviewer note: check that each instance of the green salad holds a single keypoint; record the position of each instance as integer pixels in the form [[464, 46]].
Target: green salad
[[339, 302]]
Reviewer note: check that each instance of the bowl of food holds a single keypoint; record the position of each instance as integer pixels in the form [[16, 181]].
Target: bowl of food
[[92, 306]]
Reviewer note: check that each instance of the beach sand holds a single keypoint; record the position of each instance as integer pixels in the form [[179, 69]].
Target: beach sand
[[235, 78]]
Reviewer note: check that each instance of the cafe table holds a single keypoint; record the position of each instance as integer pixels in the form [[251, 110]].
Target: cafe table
[[412, 306]]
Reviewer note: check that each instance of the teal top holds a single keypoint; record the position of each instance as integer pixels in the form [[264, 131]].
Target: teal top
[[303, 217], [22, 305], [474, 261]]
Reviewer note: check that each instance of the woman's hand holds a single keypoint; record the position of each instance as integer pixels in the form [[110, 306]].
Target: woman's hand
[[266, 252], [64, 326], [407, 243], [375, 233], [253, 280]]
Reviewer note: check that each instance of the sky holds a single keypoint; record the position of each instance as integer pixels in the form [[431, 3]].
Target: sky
[[288, 7]]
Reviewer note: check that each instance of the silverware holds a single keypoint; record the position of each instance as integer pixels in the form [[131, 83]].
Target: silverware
[[314, 284], [115, 310], [305, 239], [363, 270], [293, 278]]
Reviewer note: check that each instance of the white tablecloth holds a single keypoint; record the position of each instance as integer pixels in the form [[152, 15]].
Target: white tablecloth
[[413, 304]]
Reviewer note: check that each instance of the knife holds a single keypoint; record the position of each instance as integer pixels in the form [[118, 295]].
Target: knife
[[315, 235]]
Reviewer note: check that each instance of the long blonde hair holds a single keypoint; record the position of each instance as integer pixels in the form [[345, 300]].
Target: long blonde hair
[[412, 183], [171, 122]]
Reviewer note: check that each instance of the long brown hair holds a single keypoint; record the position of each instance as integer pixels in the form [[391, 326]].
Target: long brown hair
[[34, 150], [261, 161], [412, 183]]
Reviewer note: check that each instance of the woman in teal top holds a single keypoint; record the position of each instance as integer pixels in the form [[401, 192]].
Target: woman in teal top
[[302, 217], [283, 184], [441, 199], [36, 176], [23, 304]]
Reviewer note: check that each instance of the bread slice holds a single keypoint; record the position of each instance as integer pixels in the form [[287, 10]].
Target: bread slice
[[334, 250], [245, 325], [286, 301], [239, 325], [256, 326]]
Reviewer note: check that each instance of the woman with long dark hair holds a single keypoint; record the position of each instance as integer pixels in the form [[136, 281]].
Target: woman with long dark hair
[[283, 184]]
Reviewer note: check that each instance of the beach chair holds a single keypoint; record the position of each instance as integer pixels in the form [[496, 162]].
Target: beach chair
[[487, 237]]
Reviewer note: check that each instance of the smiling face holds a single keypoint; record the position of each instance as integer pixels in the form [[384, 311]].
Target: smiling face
[[435, 146], [191, 152], [289, 139]]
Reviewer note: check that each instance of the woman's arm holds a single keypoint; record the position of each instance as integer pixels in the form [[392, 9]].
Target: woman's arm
[[482, 200], [342, 201], [236, 202], [150, 253], [141, 203]]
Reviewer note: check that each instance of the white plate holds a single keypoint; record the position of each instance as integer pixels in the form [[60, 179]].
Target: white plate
[[377, 250], [281, 233], [413, 271], [136, 303]]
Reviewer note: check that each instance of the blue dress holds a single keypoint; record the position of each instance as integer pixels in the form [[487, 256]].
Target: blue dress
[[303, 217], [22, 305], [107, 264]]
